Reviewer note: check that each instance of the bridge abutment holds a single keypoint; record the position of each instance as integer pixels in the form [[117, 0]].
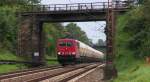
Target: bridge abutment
[[30, 39]]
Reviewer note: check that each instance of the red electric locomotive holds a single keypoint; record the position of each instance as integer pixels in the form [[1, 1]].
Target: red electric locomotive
[[74, 51]]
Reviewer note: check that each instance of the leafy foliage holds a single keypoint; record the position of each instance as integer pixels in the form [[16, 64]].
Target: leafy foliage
[[75, 32], [136, 28], [53, 31], [9, 22], [18, 2], [8, 28], [132, 46], [101, 43], [141, 1]]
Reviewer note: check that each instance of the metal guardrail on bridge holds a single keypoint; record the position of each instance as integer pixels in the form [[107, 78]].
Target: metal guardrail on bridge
[[74, 6]]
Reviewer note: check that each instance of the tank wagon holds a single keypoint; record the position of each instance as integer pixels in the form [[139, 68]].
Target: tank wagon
[[71, 51]]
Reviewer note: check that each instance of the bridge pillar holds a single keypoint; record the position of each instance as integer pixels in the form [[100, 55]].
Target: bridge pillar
[[37, 42], [110, 69], [30, 39], [24, 39]]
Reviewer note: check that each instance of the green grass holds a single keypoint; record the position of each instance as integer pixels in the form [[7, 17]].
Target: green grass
[[131, 69], [136, 73], [6, 55], [51, 60], [10, 68], [51, 57]]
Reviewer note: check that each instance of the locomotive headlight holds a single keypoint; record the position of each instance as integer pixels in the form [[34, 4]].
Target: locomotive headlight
[[59, 53], [73, 53]]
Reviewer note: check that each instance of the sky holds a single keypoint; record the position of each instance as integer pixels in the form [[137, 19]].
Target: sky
[[94, 30]]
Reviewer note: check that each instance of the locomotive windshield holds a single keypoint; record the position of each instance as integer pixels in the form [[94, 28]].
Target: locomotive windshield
[[69, 44], [62, 44]]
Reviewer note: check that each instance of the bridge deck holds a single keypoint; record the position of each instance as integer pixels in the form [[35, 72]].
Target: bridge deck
[[74, 6], [73, 12]]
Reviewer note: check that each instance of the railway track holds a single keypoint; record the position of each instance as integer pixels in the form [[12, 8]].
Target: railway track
[[73, 76], [51, 74], [26, 71]]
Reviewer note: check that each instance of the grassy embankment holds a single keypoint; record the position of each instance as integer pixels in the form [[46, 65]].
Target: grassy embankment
[[51, 60], [130, 69], [6, 55]]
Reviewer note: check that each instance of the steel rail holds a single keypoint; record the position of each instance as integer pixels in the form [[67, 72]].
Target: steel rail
[[57, 74], [19, 73]]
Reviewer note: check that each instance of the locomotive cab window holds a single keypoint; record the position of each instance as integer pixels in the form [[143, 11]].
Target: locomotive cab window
[[62, 44], [69, 44]]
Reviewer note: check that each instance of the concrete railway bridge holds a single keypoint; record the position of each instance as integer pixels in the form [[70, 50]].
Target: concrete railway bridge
[[30, 37]]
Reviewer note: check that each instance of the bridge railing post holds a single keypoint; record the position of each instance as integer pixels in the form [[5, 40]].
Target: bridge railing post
[[66, 7], [54, 7], [91, 6], [103, 5], [43, 8], [70, 8], [79, 6], [49, 7]]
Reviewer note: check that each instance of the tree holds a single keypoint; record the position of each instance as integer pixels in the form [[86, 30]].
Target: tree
[[8, 28], [9, 22], [18, 2], [141, 1], [53, 31], [100, 42], [75, 32], [137, 30]]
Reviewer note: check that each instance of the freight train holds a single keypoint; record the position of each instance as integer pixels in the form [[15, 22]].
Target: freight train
[[71, 51]]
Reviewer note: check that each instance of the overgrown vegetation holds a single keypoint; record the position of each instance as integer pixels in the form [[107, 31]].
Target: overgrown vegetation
[[9, 28], [133, 45], [7, 55], [8, 32]]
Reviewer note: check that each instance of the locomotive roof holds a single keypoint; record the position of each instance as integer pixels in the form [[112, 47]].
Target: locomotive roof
[[82, 44]]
